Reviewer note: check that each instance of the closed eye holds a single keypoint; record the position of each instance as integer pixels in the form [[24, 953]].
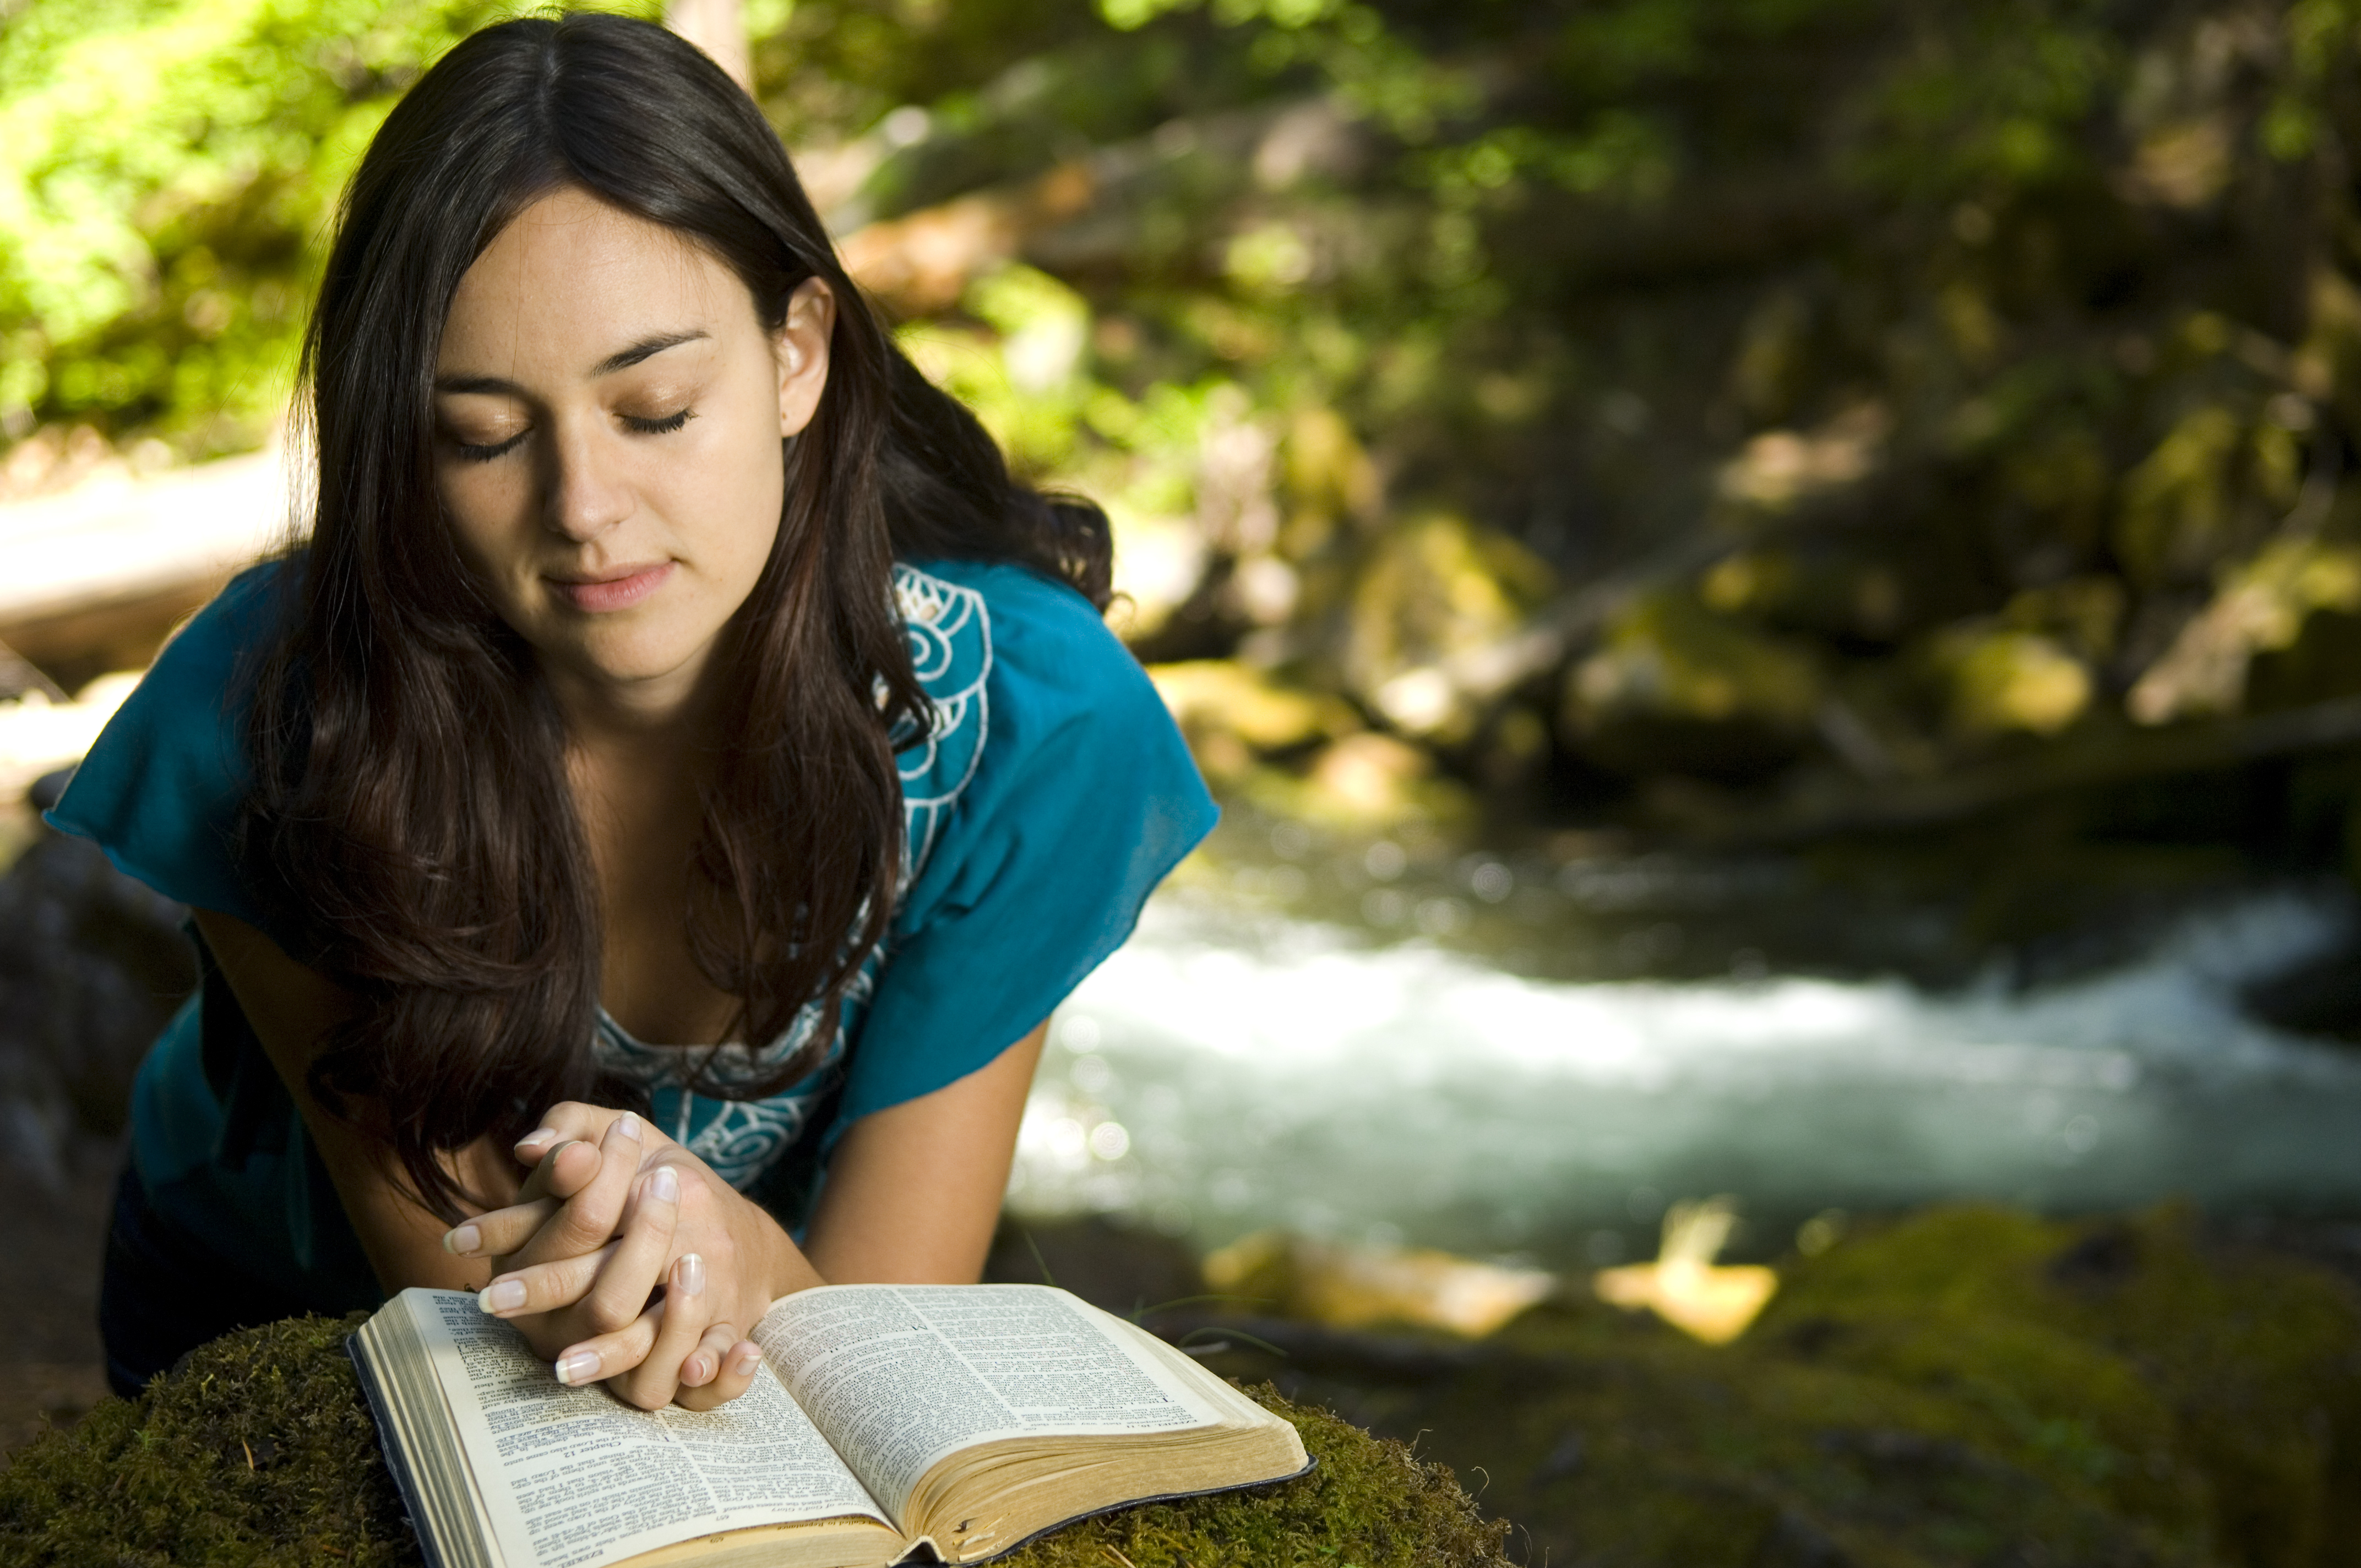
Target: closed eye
[[663, 426], [475, 454]]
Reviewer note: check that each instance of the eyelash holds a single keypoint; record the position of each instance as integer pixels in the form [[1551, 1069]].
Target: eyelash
[[663, 426], [486, 454]]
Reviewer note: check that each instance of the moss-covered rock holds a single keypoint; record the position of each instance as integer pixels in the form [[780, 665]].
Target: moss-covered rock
[[260, 1451], [1969, 1386], [1372, 1504], [257, 1450]]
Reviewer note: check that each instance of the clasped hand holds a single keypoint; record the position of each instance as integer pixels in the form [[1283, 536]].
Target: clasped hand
[[626, 1259]]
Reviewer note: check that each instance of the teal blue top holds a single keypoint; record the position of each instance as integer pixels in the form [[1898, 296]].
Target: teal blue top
[[1051, 797]]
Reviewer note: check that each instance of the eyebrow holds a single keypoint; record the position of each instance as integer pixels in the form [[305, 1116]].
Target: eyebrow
[[621, 359]]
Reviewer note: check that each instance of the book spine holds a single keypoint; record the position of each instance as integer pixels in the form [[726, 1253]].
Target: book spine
[[413, 1509]]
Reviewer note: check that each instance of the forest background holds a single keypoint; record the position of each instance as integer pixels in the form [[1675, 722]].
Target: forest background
[[1744, 419], [1575, 425]]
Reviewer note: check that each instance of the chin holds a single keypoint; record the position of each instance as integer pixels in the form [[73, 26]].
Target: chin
[[630, 659]]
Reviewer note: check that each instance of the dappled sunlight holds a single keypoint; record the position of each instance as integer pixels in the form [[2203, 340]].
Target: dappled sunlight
[[1684, 1286]]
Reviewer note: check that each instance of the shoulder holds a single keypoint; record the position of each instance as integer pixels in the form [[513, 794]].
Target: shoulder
[[1053, 794], [215, 649], [161, 788], [190, 707], [1018, 667], [1007, 630]]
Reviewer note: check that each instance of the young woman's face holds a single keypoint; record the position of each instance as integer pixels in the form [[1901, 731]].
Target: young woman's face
[[609, 409]]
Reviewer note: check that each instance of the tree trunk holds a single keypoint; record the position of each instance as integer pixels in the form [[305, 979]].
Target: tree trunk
[[719, 28]]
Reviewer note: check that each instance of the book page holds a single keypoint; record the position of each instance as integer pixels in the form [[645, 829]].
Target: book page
[[573, 1477], [901, 1375]]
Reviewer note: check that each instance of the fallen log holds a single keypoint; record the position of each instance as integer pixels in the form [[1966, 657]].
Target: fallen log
[[2097, 758], [98, 575]]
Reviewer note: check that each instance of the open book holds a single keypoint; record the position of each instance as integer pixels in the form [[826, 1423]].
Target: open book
[[965, 1418]]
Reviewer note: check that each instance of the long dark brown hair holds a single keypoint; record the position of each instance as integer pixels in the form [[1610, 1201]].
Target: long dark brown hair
[[411, 795]]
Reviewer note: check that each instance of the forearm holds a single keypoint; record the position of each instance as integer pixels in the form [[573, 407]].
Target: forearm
[[775, 1263], [290, 1006], [888, 1218], [402, 1238]]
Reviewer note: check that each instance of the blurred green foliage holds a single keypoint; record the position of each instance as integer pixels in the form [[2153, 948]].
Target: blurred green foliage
[[168, 169], [1768, 391]]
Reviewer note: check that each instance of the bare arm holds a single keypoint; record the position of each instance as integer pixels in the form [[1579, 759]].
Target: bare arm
[[914, 1190], [291, 1007]]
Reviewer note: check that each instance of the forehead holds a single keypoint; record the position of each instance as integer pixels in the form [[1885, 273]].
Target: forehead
[[571, 277]]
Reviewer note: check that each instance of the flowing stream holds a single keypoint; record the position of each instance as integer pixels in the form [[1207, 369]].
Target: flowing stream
[[1379, 1073]]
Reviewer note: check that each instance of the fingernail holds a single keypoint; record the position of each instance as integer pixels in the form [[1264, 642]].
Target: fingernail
[[745, 1361], [502, 1296], [628, 1126], [689, 1275], [694, 1371], [578, 1366], [463, 1241], [665, 1184], [538, 1135]]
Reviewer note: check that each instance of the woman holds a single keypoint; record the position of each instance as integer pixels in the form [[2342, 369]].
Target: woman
[[634, 847]]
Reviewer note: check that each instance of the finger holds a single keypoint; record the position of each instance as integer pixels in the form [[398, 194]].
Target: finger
[[588, 1220], [737, 1376], [570, 1165], [545, 1287], [628, 1279], [602, 1356], [651, 1384], [564, 1170], [704, 1363], [499, 1233], [567, 1119]]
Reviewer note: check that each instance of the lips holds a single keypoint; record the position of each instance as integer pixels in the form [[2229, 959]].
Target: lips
[[619, 592]]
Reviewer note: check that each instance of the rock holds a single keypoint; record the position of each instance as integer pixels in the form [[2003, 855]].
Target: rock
[[260, 1450], [1675, 687], [1966, 1386], [1122, 1268], [92, 965]]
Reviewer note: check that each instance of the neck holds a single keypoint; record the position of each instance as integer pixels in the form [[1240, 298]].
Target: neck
[[669, 713]]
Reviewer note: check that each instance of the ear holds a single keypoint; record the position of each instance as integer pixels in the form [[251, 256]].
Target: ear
[[800, 346]]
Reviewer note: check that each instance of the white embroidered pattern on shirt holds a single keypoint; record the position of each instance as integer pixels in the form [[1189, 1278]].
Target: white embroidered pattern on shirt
[[950, 634]]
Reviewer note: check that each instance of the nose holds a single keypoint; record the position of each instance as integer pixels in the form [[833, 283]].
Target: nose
[[584, 487]]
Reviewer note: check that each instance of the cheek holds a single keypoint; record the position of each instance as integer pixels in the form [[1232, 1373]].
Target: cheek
[[480, 511], [744, 486]]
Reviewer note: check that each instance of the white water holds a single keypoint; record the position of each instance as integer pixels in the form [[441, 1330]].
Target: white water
[[1227, 1070]]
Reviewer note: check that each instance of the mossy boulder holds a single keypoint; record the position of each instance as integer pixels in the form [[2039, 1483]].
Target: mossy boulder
[[1968, 1387], [260, 1451]]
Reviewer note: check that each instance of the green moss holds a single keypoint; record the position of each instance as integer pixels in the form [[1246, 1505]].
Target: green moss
[[1370, 1505], [260, 1452], [2202, 1389], [257, 1450], [1968, 1387]]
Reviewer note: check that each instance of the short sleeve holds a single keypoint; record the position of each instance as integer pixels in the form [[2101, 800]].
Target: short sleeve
[[161, 789], [1082, 797]]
